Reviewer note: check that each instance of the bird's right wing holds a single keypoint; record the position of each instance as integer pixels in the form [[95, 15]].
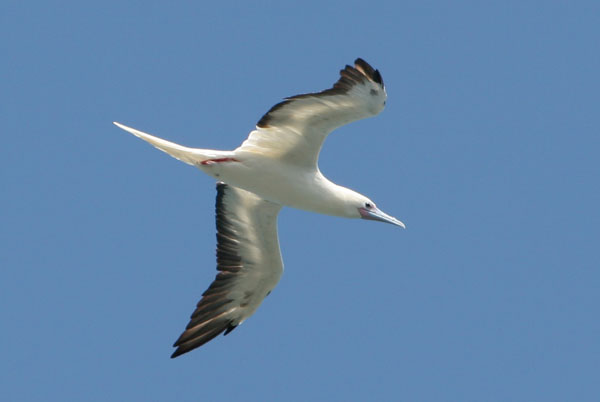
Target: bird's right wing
[[294, 130], [249, 264]]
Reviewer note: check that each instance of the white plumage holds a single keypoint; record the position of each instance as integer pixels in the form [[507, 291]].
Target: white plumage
[[276, 166]]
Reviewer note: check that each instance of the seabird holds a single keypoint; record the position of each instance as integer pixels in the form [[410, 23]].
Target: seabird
[[275, 166]]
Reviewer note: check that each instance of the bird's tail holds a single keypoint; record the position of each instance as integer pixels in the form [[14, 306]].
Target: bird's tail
[[191, 156]]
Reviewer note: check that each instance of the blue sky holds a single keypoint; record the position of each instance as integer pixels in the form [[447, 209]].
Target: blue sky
[[487, 150]]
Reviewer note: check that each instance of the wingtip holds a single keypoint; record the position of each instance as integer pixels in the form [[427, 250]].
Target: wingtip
[[369, 71]]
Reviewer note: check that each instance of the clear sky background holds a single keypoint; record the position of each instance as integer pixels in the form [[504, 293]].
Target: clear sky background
[[487, 150]]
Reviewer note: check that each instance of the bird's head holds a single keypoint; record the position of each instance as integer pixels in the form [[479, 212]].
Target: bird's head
[[368, 210], [362, 207]]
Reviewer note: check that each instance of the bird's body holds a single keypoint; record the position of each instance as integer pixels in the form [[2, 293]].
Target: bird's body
[[276, 166]]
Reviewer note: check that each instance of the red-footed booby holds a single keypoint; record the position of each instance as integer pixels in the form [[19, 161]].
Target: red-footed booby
[[276, 166]]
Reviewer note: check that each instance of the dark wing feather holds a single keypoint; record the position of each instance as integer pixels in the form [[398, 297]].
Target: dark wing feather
[[249, 265], [349, 77]]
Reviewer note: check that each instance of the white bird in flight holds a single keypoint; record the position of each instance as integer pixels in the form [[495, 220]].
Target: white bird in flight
[[275, 167]]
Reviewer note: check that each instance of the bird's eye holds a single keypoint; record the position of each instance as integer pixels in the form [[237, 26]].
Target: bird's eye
[[368, 205]]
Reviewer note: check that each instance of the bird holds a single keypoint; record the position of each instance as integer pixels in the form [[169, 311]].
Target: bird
[[276, 166]]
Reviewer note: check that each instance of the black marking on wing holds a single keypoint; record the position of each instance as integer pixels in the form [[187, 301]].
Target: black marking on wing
[[210, 317], [349, 77]]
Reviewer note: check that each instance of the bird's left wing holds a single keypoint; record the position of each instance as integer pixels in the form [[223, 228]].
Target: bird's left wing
[[295, 129], [249, 264]]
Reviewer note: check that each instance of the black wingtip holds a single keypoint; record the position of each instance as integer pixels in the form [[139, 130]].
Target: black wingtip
[[369, 71], [230, 328], [361, 62]]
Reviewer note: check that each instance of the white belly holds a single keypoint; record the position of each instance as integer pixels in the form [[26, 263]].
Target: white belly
[[272, 180]]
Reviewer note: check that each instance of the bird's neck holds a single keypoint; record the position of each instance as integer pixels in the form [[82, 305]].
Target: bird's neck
[[328, 198]]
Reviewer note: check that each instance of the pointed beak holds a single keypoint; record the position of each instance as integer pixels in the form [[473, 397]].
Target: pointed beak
[[375, 214]]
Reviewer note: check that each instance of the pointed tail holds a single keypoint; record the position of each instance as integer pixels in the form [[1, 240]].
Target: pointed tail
[[191, 156]]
